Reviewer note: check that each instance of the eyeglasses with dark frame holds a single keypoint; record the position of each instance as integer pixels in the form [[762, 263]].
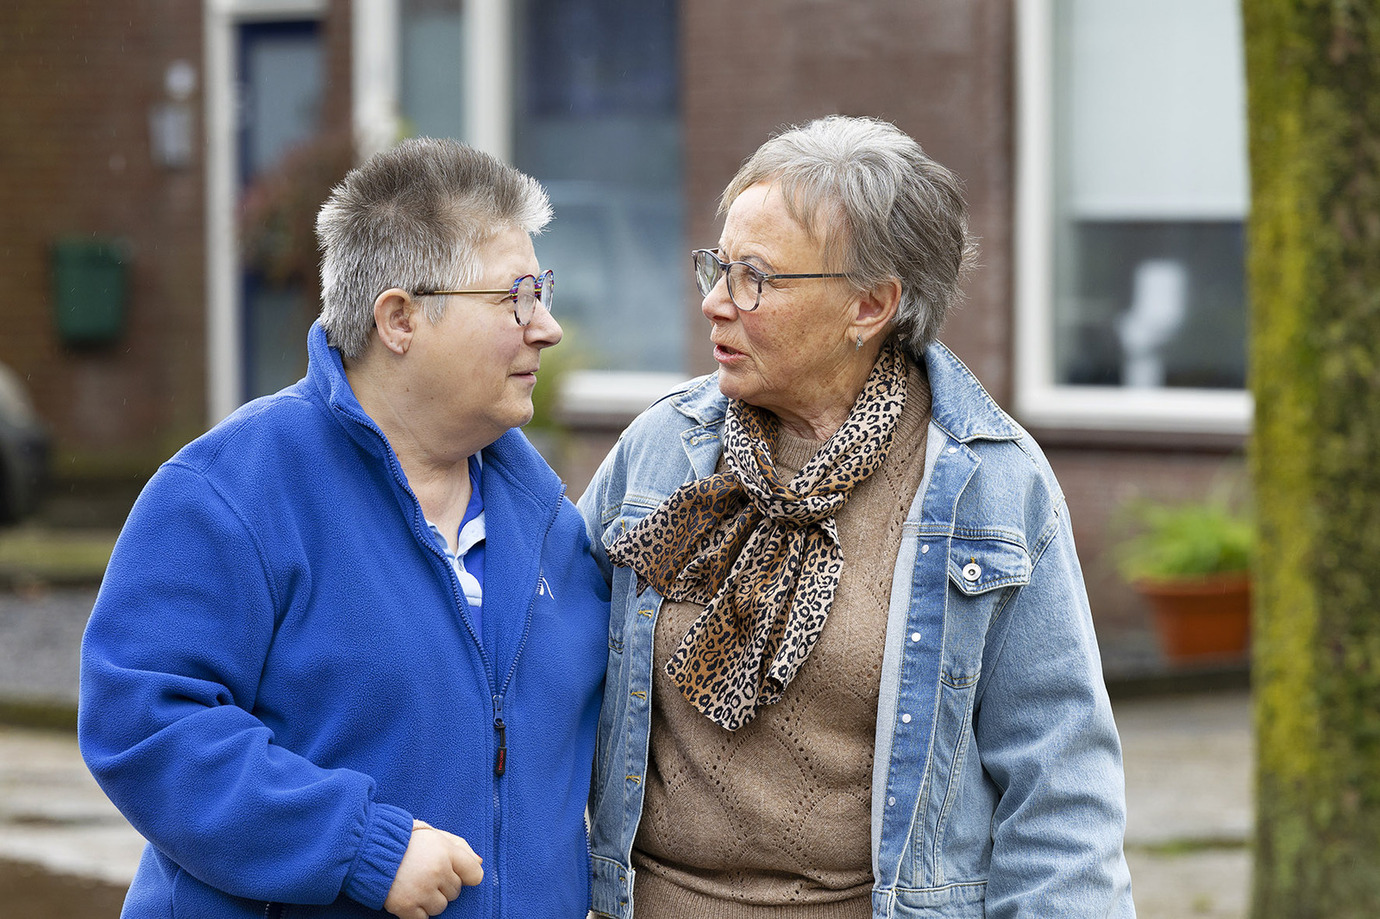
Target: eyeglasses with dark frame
[[524, 293], [709, 268]]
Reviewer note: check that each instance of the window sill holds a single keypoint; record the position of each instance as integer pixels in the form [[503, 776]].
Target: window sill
[[608, 400], [1111, 408]]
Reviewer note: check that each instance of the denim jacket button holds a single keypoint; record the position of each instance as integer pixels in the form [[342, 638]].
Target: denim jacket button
[[972, 571]]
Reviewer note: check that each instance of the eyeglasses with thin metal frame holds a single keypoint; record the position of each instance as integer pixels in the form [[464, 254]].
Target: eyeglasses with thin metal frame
[[524, 293], [709, 268]]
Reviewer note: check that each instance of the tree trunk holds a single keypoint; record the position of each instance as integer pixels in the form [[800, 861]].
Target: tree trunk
[[1313, 77]]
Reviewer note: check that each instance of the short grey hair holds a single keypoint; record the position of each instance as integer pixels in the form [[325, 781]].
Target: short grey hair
[[415, 217], [878, 206]]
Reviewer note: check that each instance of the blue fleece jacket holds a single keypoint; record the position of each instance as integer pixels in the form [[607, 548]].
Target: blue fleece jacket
[[280, 672]]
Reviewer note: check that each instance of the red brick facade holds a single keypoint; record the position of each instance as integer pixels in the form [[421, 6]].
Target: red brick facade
[[941, 71], [78, 79]]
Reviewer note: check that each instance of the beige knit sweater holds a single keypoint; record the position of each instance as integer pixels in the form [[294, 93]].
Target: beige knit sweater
[[774, 820]]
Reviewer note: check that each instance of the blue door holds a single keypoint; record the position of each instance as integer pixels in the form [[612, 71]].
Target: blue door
[[281, 77]]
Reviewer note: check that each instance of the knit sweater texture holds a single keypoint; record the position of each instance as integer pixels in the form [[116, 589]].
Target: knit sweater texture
[[772, 821]]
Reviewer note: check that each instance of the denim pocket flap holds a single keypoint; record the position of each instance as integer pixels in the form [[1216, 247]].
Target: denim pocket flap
[[979, 565]]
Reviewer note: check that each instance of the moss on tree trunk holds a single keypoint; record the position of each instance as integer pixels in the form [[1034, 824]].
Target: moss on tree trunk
[[1313, 76]]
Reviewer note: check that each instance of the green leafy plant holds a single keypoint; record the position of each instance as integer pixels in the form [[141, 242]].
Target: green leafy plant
[[1187, 540]]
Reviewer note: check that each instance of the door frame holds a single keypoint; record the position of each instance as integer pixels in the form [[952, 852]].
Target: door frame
[[224, 340], [374, 95]]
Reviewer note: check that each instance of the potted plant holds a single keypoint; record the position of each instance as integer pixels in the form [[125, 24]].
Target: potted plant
[[1191, 562]]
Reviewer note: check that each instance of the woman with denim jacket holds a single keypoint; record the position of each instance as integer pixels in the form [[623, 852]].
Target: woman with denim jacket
[[852, 667]]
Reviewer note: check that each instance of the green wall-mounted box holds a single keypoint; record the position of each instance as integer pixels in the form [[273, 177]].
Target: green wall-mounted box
[[90, 286]]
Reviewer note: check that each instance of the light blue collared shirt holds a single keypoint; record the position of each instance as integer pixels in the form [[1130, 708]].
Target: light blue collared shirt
[[468, 558]]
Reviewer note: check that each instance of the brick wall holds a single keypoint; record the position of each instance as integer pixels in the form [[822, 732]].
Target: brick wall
[[77, 82], [940, 70], [944, 72]]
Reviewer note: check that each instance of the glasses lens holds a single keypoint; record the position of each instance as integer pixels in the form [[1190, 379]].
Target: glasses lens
[[706, 270], [546, 288], [744, 285], [525, 300]]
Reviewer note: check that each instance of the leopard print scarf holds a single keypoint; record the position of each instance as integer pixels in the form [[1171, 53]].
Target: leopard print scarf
[[761, 555]]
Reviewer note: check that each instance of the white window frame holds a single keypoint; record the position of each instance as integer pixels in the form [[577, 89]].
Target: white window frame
[[374, 85], [601, 396], [587, 396], [375, 91], [1039, 400]]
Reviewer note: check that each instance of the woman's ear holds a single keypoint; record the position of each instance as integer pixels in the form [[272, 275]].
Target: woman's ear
[[394, 319], [877, 309]]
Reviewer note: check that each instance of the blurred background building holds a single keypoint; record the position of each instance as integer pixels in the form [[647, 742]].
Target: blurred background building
[[161, 160]]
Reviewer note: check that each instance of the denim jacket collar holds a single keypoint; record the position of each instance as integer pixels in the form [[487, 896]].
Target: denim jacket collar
[[966, 412]]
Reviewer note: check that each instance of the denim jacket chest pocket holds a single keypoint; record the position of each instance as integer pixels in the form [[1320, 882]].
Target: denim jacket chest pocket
[[984, 572], [982, 564]]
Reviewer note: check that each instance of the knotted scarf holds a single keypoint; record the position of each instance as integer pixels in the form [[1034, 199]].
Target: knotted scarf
[[762, 556]]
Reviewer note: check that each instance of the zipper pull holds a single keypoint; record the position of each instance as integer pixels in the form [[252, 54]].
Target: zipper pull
[[501, 755]]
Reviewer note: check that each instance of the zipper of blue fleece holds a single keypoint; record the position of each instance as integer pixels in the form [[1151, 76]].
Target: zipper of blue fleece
[[497, 691], [500, 727]]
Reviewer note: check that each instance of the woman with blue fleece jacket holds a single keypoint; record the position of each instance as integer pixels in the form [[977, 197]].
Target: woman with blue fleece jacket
[[350, 646]]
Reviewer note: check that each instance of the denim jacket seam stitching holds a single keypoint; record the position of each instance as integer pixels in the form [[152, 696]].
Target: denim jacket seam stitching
[[1047, 535], [926, 789], [950, 794], [1010, 537]]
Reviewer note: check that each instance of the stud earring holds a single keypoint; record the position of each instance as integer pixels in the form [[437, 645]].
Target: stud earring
[[859, 348]]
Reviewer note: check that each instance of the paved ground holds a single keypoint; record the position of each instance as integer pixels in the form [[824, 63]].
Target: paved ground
[[1188, 769], [40, 643], [52, 813], [1190, 803]]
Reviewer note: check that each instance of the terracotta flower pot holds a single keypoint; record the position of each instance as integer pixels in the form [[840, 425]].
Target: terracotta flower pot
[[1201, 619]]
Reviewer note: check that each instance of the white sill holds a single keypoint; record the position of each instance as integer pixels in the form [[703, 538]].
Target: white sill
[[1110, 408], [611, 397]]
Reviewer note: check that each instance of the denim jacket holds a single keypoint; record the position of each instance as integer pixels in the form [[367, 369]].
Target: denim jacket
[[997, 786]]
